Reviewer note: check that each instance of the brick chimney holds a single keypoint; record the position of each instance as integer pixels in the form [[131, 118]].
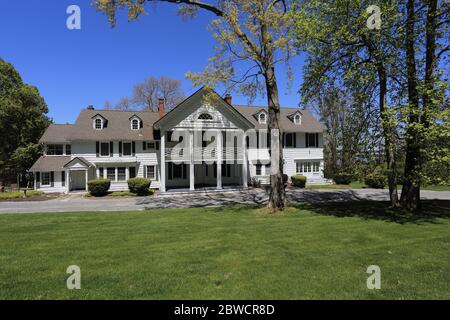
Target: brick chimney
[[161, 106], [228, 98]]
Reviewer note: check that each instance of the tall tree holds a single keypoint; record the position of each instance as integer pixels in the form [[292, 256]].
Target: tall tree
[[22, 121], [342, 47], [253, 36], [147, 93]]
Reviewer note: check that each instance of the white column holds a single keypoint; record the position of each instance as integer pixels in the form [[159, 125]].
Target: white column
[[97, 172], [105, 173], [191, 161], [116, 173], [219, 159], [162, 187], [127, 173], [87, 176], [244, 161], [67, 173]]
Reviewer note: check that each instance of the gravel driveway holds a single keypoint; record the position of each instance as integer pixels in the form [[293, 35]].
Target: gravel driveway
[[76, 202]]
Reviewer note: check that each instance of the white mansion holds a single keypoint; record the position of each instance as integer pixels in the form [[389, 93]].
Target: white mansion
[[203, 142]]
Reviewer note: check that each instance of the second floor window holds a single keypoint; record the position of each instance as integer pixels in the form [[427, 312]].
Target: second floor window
[[55, 149], [312, 140], [290, 140], [104, 149], [127, 149], [68, 149], [262, 118]]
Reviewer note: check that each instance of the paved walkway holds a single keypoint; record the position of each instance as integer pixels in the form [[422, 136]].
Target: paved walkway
[[252, 196]]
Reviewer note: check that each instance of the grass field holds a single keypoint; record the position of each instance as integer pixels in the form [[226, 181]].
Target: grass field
[[311, 251]]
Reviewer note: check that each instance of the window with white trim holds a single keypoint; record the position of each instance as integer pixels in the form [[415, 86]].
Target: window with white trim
[[262, 118], [307, 167], [297, 119], [151, 173], [121, 174], [205, 116], [111, 174], [45, 178], [98, 124], [135, 124], [55, 149]]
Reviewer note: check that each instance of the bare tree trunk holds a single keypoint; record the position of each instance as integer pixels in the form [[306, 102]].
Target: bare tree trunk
[[388, 138], [410, 197], [277, 198]]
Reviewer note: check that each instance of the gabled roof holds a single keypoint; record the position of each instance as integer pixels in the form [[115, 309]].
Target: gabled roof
[[80, 159], [309, 124], [201, 93], [57, 133], [50, 163]]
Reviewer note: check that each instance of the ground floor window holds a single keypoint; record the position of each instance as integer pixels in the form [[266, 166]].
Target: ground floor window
[[151, 173], [307, 167], [258, 168], [111, 174], [121, 174], [226, 170], [177, 171], [45, 178]]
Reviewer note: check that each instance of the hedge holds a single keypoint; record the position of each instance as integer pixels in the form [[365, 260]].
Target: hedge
[[298, 181], [139, 186], [376, 179], [99, 187], [343, 178]]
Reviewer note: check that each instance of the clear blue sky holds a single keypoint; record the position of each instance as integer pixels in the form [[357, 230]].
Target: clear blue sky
[[73, 69]]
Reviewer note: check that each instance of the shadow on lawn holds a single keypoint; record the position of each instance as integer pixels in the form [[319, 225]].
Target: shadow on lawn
[[380, 210]]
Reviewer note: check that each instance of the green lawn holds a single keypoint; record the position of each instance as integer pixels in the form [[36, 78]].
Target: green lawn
[[311, 251]]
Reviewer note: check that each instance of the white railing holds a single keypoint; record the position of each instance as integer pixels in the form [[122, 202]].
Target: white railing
[[203, 154]]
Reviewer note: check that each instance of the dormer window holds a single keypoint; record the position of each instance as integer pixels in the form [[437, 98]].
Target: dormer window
[[297, 119], [135, 124], [262, 118], [98, 124], [205, 116]]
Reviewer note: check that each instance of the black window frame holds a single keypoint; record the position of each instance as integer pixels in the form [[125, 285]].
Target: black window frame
[[101, 149]]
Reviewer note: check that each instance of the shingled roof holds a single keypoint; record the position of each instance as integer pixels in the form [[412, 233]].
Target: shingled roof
[[118, 127], [308, 122], [50, 163], [57, 133]]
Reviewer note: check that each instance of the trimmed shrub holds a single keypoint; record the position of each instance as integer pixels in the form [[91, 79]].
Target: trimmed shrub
[[343, 178], [139, 186], [376, 179], [99, 187], [298, 181]]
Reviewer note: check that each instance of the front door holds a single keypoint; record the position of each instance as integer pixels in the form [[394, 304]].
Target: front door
[[77, 180]]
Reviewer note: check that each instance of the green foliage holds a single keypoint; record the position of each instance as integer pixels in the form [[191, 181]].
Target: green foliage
[[99, 187], [299, 181], [19, 194], [22, 122], [139, 186], [343, 177], [376, 179]]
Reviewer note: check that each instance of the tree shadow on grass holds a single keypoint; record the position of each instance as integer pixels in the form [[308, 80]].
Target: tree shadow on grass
[[380, 210]]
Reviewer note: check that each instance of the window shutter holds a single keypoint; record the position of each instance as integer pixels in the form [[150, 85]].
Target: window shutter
[[38, 180], [295, 139], [63, 178], [144, 145], [170, 170], [111, 148], [141, 125], [97, 148], [257, 140], [133, 146], [52, 178], [317, 140], [184, 171], [306, 140], [157, 145], [145, 171], [120, 148]]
